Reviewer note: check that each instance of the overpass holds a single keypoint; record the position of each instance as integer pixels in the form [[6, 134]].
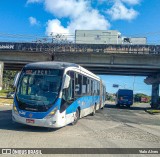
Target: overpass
[[136, 60]]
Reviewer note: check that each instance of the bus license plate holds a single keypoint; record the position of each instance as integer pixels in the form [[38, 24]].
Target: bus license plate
[[30, 121]]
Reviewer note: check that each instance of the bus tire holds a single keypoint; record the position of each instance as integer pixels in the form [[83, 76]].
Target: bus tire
[[94, 111], [102, 107], [129, 106], [117, 105], [76, 117]]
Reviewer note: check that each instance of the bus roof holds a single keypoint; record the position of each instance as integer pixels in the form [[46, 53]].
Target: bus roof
[[58, 65], [50, 65], [125, 91]]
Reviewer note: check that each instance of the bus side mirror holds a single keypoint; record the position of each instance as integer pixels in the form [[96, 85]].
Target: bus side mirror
[[66, 81], [16, 79]]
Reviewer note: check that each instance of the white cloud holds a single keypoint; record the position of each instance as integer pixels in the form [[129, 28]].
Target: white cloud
[[96, 22], [66, 8], [89, 20], [120, 12], [56, 27], [80, 13], [131, 2], [33, 21]]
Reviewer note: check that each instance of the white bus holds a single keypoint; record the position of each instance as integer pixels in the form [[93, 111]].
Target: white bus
[[54, 94]]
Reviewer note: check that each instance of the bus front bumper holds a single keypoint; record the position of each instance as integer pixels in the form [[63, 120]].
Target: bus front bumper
[[49, 123]]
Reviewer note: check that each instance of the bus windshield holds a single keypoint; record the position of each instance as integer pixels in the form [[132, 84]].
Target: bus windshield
[[38, 89]]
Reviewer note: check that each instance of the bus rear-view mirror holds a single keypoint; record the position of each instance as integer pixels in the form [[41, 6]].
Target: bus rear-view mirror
[[66, 81], [16, 79]]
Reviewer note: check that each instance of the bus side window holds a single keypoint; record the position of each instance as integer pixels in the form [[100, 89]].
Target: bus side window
[[88, 86], [95, 90], [92, 88], [78, 84], [72, 75], [84, 85], [67, 94], [98, 88]]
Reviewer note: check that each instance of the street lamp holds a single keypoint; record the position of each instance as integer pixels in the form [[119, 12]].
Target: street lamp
[[134, 82]]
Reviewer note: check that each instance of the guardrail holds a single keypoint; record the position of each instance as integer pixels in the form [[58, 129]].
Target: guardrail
[[84, 48]]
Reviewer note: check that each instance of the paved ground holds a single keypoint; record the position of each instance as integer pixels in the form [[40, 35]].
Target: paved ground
[[109, 128]]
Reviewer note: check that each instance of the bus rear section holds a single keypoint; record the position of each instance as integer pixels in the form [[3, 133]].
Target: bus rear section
[[124, 97]]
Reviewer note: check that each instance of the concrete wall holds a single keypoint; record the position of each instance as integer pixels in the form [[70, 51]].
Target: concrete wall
[[139, 61], [122, 63], [24, 56], [117, 64]]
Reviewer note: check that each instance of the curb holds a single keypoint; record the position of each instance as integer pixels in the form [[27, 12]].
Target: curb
[[152, 113]]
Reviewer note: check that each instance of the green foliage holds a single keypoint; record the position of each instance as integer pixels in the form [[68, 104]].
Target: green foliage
[[8, 79], [3, 92], [138, 96], [110, 97]]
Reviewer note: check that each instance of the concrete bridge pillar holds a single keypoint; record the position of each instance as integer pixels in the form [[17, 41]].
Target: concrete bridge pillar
[[154, 81], [155, 96], [1, 74]]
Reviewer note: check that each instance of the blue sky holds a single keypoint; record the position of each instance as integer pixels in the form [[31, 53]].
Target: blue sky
[[128, 82], [34, 19], [41, 17]]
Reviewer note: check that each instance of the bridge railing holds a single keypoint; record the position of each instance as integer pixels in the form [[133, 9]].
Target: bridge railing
[[82, 48]]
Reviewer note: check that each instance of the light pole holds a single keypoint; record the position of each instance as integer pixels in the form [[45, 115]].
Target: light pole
[[134, 77]]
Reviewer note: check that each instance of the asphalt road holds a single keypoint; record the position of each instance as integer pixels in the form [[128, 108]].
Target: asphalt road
[[110, 128]]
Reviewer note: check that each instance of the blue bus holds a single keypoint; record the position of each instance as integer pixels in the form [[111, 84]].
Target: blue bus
[[54, 94], [124, 97]]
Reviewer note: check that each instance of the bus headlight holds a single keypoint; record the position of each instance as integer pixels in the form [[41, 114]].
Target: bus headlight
[[52, 113], [15, 108]]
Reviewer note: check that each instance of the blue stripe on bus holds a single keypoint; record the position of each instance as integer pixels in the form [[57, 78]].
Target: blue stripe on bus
[[36, 115], [82, 102]]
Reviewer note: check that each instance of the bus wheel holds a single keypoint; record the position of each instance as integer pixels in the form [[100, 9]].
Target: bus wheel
[[117, 105], [102, 108], [94, 111], [76, 117], [129, 106]]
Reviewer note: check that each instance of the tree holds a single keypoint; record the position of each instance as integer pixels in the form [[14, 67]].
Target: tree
[[139, 96], [8, 79]]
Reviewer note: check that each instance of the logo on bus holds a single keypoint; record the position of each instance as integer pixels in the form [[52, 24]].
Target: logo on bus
[[30, 115], [22, 112]]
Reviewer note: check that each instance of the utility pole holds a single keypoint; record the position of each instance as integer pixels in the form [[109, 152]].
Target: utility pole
[[133, 82]]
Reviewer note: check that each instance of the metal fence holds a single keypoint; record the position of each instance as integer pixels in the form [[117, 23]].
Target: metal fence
[[83, 48]]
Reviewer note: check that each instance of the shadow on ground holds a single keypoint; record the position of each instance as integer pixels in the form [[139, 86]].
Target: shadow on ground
[[7, 124], [127, 108]]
